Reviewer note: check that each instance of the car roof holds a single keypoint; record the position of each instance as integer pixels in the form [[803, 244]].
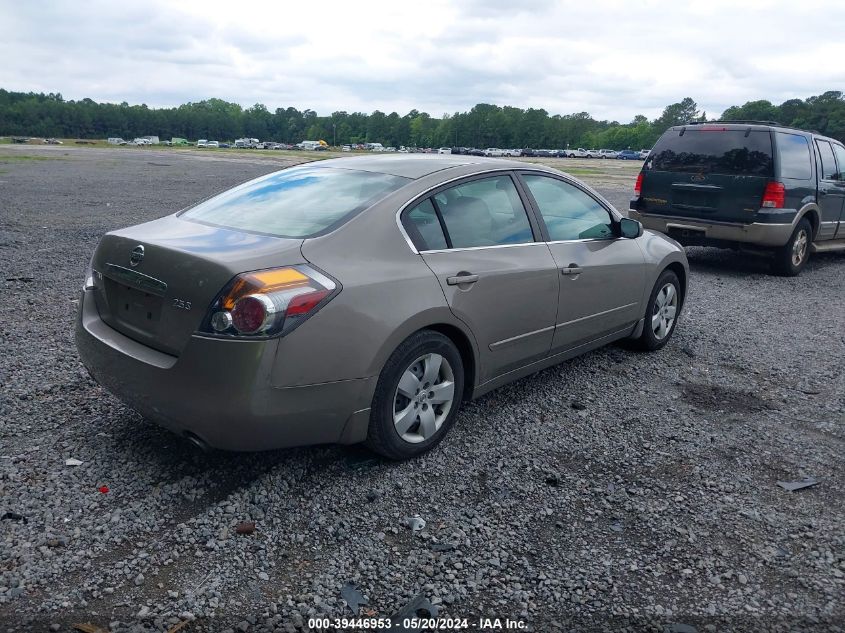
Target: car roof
[[413, 165]]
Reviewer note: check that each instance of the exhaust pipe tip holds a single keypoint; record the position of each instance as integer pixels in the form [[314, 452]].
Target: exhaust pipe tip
[[197, 441]]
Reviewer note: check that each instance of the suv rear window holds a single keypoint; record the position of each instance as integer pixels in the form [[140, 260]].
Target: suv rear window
[[296, 203], [713, 151]]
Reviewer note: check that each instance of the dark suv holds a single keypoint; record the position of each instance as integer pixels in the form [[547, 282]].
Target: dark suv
[[746, 184]]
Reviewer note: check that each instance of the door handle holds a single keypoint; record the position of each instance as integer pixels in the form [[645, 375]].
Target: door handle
[[461, 279], [572, 269]]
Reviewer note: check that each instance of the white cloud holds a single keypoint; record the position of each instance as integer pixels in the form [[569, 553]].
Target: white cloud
[[611, 58]]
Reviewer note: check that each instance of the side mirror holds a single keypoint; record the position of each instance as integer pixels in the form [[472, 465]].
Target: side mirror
[[630, 228]]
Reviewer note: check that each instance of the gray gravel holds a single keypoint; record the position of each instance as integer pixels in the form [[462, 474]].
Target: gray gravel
[[616, 490]]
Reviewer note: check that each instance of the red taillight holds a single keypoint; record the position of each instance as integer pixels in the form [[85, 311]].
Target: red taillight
[[305, 303], [638, 186], [268, 302], [249, 314], [774, 196]]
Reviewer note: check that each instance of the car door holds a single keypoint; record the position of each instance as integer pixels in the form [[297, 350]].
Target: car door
[[602, 275], [477, 238], [831, 192], [839, 152]]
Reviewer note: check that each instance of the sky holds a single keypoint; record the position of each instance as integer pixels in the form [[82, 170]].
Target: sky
[[611, 58]]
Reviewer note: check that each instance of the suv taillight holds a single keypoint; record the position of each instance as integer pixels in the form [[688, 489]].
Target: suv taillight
[[774, 196], [268, 302], [638, 186]]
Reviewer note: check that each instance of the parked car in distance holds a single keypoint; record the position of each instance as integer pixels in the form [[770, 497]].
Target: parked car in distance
[[493, 151], [628, 154], [444, 150], [348, 148], [593, 153], [608, 153], [214, 144], [746, 184], [116, 140], [202, 142], [644, 153], [297, 336], [52, 141], [576, 153], [178, 141], [224, 145]]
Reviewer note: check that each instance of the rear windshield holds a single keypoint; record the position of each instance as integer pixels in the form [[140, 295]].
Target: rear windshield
[[299, 202], [714, 151]]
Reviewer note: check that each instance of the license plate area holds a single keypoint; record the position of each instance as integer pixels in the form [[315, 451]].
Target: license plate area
[[685, 234], [133, 307]]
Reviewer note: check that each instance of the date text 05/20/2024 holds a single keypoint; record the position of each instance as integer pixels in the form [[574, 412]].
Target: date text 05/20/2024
[[414, 623]]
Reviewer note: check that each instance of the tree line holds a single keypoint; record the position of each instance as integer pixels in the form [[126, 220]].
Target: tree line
[[485, 125]]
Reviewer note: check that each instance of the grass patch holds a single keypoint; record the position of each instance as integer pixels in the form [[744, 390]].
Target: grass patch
[[25, 158], [582, 171]]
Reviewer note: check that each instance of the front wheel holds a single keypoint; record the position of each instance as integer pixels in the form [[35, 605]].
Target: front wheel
[[791, 258], [664, 307], [417, 397]]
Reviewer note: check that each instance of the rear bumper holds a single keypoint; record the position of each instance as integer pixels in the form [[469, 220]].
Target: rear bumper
[[220, 391], [770, 234]]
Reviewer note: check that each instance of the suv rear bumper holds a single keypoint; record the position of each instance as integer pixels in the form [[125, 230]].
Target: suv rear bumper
[[702, 232]]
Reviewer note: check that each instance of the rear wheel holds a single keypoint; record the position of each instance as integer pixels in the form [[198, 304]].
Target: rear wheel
[[791, 258], [417, 397], [664, 306]]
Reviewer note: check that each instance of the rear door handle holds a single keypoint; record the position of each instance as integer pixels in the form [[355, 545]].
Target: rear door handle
[[461, 279], [572, 269]]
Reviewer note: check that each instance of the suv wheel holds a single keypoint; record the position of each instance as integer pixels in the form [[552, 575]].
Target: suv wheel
[[791, 258], [664, 306], [417, 397]]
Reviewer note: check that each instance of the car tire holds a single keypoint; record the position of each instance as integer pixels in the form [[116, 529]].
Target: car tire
[[659, 324], [791, 258], [404, 425]]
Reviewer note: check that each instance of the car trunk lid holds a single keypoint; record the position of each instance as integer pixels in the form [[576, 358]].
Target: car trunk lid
[[154, 282]]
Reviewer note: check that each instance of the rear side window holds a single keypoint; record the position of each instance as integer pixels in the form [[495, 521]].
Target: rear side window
[[487, 212], [424, 226], [828, 171], [299, 202], [710, 150], [794, 156], [569, 213], [840, 159]]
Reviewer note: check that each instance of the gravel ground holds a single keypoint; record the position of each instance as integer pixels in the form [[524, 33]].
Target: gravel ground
[[616, 490]]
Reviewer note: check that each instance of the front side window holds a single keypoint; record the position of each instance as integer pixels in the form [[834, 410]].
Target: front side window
[[486, 212], [297, 203], [794, 156], [569, 212]]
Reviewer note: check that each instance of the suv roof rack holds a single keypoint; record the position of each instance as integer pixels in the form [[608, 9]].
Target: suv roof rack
[[752, 122], [740, 122]]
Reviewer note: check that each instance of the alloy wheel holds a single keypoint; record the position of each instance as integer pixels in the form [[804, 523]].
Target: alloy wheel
[[799, 248], [423, 398], [664, 311]]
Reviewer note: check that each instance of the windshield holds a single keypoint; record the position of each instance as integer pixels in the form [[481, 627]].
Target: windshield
[[714, 151], [297, 203]]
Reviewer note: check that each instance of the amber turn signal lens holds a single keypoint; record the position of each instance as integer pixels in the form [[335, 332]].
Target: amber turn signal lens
[[263, 281]]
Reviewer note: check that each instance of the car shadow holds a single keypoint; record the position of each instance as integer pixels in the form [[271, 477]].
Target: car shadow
[[739, 263]]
